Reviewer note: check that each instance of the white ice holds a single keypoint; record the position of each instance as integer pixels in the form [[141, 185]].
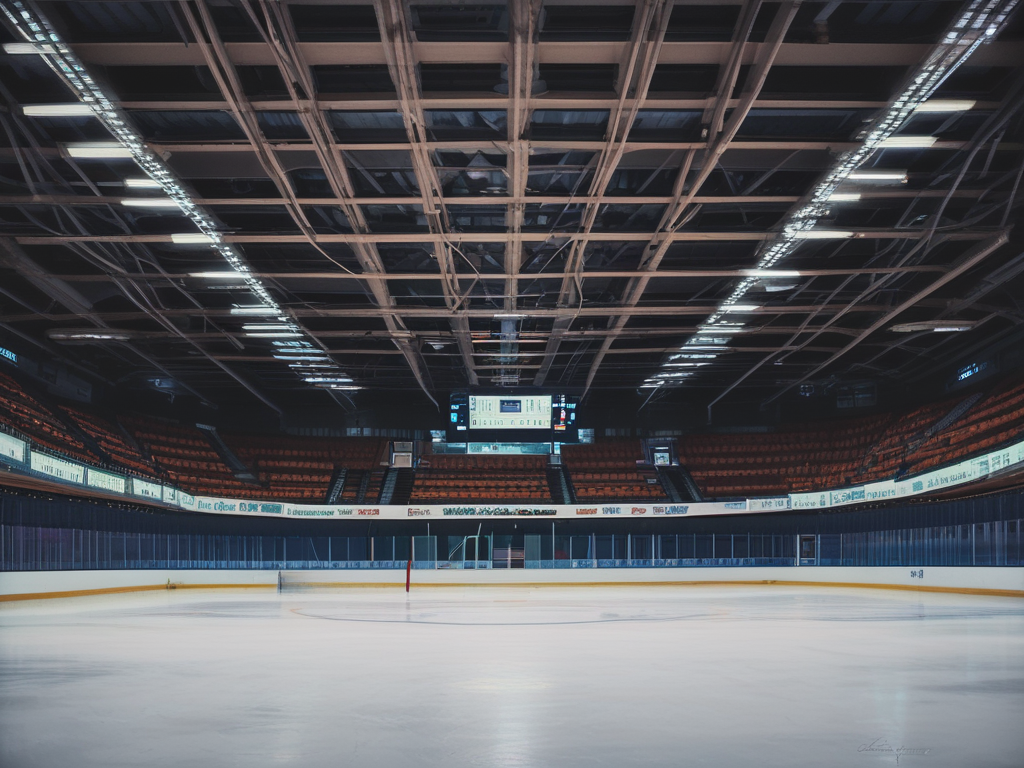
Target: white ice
[[619, 676]]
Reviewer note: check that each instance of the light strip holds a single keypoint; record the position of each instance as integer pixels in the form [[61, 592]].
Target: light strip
[[98, 150], [74, 109], [215, 275], [821, 234], [24, 49], [980, 22], [946, 105], [900, 176], [257, 310], [771, 273], [844, 197], [41, 38], [907, 142], [150, 202], [191, 238], [142, 184]]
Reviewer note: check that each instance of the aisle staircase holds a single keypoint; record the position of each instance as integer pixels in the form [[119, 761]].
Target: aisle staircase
[[334, 488], [559, 485], [679, 484], [235, 464]]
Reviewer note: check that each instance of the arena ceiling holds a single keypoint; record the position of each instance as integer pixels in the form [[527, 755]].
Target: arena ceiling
[[718, 197]]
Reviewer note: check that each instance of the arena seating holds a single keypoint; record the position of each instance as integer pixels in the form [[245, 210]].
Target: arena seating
[[110, 439], [187, 458], [25, 414], [608, 471], [455, 478], [735, 465], [851, 451], [997, 419], [779, 462], [300, 468]]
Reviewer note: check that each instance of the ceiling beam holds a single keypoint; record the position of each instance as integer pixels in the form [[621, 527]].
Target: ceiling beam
[[498, 237]]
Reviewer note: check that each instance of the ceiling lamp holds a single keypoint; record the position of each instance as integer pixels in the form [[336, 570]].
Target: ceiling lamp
[[142, 184], [897, 176], [191, 238], [98, 150], [945, 105], [934, 326], [258, 309], [151, 202], [74, 109], [908, 142]]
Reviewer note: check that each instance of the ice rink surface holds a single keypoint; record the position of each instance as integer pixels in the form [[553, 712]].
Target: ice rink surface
[[618, 676]]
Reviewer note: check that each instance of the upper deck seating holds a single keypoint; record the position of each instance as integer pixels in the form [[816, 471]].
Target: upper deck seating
[[110, 439], [300, 468], [187, 458], [22, 412]]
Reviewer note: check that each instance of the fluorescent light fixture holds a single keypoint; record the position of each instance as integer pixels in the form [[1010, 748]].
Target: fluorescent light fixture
[[349, 387], [269, 327], [74, 109], [21, 49], [821, 234], [686, 365], [142, 184], [740, 307], [150, 202], [844, 197], [945, 105], [191, 238], [908, 142], [934, 326], [98, 150], [89, 335], [297, 358], [771, 273], [273, 334], [685, 356], [256, 310], [701, 341], [216, 275], [327, 380], [508, 317], [900, 176], [311, 365]]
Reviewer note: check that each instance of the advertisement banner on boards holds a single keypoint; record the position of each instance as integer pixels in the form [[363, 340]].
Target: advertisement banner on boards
[[815, 500], [67, 471], [12, 448], [146, 489], [768, 505], [107, 481]]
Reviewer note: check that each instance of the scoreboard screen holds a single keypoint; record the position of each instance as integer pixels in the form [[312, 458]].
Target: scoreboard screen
[[527, 412], [526, 418]]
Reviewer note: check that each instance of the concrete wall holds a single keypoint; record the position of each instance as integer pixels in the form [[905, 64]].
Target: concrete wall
[[1010, 580]]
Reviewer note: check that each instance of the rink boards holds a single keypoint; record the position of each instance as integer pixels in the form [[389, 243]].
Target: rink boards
[[1008, 581]]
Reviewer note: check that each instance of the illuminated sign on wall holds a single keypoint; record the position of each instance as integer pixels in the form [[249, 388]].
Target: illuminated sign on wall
[[6, 353], [969, 370]]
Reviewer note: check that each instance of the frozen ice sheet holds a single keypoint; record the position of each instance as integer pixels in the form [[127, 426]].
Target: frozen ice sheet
[[620, 676]]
